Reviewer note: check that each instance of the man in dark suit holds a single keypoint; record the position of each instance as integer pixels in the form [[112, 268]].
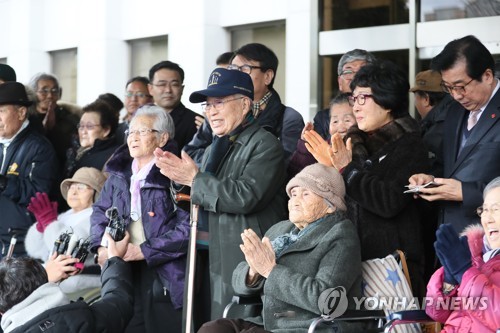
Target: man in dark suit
[[471, 143]]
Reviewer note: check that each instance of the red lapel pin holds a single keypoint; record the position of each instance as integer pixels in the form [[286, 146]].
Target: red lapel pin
[[151, 214], [493, 116]]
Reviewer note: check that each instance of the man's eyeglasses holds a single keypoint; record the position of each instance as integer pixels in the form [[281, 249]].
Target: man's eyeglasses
[[245, 68], [348, 74], [129, 94], [361, 99], [88, 127], [217, 105], [141, 132], [79, 186], [455, 89], [492, 210], [45, 92], [164, 84]]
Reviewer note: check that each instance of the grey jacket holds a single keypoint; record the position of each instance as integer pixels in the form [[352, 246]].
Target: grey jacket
[[327, 257], [247, 191]]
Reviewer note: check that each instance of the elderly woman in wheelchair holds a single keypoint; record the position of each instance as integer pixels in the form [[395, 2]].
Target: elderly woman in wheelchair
[[299, 261], [464, 293]]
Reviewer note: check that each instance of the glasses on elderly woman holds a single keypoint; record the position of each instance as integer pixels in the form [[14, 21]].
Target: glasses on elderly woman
[[361, 99], [88, 127], [45, 91], [80, 187], [140, 132], [493, 210]]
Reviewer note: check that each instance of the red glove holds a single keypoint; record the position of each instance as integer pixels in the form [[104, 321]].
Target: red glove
[[44, 210]]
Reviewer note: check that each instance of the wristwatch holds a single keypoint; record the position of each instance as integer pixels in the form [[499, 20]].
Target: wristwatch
[[448, 288]]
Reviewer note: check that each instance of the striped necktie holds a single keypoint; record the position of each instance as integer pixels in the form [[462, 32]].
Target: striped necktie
[[471, 122]]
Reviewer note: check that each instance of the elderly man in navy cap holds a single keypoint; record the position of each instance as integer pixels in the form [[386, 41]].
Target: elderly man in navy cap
[[240, 183], [28, 165]]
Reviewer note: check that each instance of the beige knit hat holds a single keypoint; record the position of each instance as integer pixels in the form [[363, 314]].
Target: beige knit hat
[[88, 176], [322, 180]]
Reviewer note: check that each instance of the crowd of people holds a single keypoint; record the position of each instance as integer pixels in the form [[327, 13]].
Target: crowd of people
[[363, 180]]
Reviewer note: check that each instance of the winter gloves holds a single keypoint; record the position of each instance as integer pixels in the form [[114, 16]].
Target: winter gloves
[[44, 210], [453, 252]]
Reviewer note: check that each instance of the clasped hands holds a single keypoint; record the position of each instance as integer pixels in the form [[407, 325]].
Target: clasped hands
[[259, 254], [338, 154]]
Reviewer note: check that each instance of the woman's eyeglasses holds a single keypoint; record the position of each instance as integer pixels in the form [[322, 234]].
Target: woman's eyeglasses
[[361, 99], [79, 186], [140, 132], [88, 127]]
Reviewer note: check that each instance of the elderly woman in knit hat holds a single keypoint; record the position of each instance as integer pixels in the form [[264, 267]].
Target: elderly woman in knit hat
[[80, 192], [299, 259]]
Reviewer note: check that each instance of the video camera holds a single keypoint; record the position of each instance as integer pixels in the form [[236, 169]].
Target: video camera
[[116, 226], [67, 243]]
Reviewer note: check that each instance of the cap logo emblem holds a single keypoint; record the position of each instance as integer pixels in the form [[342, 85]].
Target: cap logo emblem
[[214, 79]]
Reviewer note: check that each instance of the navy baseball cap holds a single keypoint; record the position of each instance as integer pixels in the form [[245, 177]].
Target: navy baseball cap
[[224, 82]]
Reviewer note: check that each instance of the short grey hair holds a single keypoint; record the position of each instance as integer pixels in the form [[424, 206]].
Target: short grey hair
[[354, 55], [163, 122], [44, 76], [491, 186]]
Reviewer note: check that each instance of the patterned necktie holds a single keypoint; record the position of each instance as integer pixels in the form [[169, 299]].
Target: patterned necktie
[[471, 122]]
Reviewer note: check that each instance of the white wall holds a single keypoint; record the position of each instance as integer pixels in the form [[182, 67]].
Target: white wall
[[198, 31]]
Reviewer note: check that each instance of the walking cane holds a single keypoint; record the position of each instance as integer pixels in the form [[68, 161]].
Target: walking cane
[[192, 260]]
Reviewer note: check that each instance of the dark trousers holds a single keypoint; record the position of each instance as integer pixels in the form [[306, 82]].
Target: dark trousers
[[153, 310], [231, 326]]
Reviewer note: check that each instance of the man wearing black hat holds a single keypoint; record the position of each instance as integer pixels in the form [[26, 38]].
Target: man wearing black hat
[[28, 165], [241, 180]]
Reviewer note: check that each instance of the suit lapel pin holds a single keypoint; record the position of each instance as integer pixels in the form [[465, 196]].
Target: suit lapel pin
[[493, 116], [151, 214]]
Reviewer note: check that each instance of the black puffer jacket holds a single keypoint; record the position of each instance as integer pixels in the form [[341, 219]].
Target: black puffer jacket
[[111, 314]]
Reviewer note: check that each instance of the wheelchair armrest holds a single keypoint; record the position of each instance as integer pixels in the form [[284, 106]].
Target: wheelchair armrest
[[241, 300], [406, 317], [410, 315], [349, 315]]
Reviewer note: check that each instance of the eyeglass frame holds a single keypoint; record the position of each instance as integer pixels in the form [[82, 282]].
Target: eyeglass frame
[[218, 105], [130, 94], [88, 127], [353, 99], [480, 210], [347, 71], [459, 89], [240, 68], [80, 187], [46, 92], [140, 132]]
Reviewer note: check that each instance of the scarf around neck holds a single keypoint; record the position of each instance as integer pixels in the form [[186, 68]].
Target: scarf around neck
[[136, 182], [488, 252], [219, 148], [365, 144], [282, 243]]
